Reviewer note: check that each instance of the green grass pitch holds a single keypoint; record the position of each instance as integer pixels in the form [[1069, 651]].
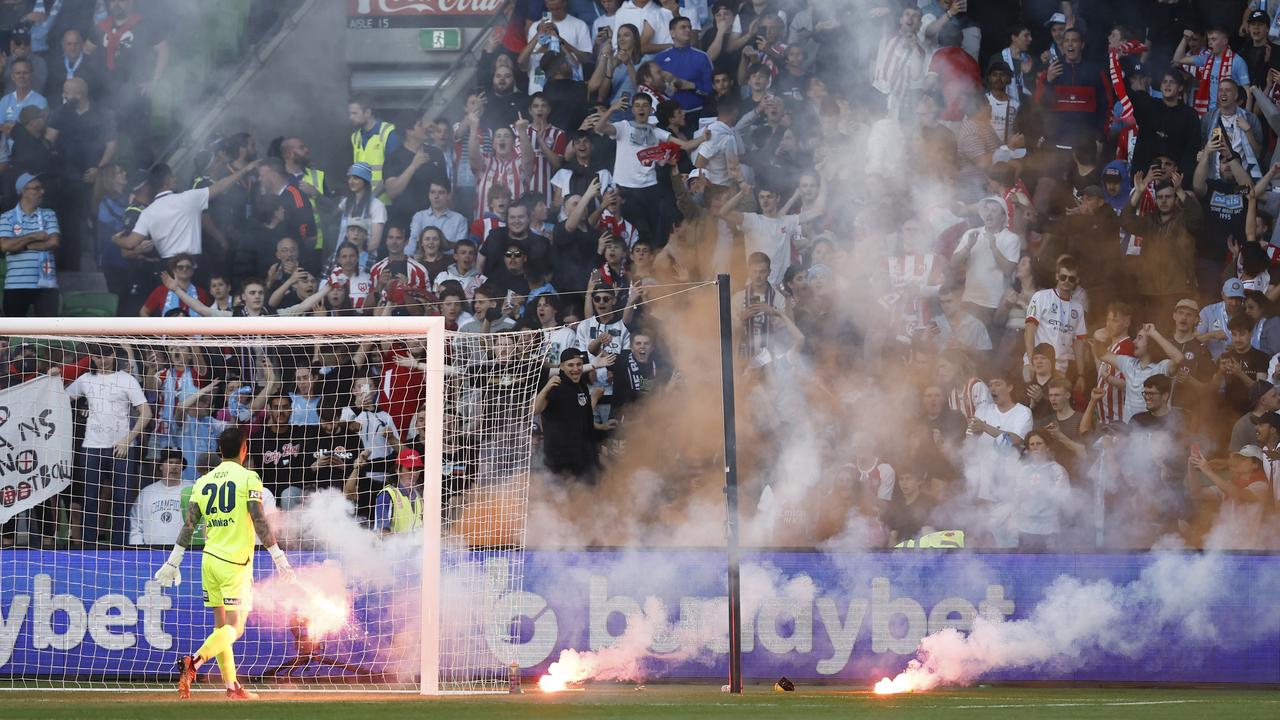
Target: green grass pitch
[[621, 702]]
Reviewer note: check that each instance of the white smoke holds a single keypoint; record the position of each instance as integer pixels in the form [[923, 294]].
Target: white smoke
[[651, 644], [1173, 599]]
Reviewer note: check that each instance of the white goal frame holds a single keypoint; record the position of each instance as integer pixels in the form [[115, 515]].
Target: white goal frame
[[433, 327]]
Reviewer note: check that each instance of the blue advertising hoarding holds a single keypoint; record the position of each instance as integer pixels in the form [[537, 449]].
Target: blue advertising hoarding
[[807, 615]]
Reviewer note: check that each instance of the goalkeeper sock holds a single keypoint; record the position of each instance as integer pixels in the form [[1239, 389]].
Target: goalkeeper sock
[[218, 641], [227, 664]]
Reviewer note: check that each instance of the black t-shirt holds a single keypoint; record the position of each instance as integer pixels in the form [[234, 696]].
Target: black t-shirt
[[568, 428], [951, 423], [415, 195], [633, 380], [908, 518], [1198, 363], [573, 258], [1224, 216], [280, 458], [341, 445], [538, 248], [568, 100], [1254, 362], [82, 138]]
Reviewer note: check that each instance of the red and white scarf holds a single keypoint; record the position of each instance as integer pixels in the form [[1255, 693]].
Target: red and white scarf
[[1116, 73], [1209, 80]]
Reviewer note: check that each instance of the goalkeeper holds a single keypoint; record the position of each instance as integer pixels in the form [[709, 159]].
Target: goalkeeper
[[229, 499]]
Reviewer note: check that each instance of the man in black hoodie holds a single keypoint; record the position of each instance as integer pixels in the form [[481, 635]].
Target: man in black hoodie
[[1167, 126]]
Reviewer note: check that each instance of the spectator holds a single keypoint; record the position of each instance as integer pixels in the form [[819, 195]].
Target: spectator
[[278, 451], [157, 514], [688, 69], [398, 507], [411, 169], [556, 32], [569, 431], [29, 234], [984, 259], [71, 63], [1240, 367], [463, 270], [172, 221], [1165, 272], [1056, 318], [721, 155], [1001, 422], [397, 266], [360, 204], [1266, 399], [372, 141], [135, 54], [638, 183], [109, 455], [1167, 126], [956, 326], [1072, 91], [430, 253], [299, 216], [162, 301], [911, 509], [22, 95], [491, 313], [1147, 360], [451, 224], [1041, 492], [84, 139], [510, 162], [1213, 65]]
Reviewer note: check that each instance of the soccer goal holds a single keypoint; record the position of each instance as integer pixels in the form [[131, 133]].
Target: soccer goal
[[395, 461]]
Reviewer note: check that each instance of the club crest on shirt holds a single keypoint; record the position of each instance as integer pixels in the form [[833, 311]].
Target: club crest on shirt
[[582, 399]]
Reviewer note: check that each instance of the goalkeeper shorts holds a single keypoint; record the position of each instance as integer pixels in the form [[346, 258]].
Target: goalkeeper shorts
[[226, 584]]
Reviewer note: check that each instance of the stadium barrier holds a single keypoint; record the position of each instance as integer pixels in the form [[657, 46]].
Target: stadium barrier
[[859, 620]]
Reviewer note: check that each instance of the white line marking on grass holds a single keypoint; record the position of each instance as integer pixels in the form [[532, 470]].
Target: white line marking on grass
[[1113, 703]]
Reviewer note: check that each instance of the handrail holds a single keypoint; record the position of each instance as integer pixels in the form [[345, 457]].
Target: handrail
[[255, 58]]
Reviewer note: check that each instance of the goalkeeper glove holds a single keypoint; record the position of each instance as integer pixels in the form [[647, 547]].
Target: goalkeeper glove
[[169, 573], [283, 568]]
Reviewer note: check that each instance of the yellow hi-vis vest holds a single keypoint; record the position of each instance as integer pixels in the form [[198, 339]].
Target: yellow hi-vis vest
[[373, 152], [406, 514], [315, 178], [943, 539]]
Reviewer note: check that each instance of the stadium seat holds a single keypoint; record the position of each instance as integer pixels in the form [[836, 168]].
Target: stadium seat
[[89, 304]]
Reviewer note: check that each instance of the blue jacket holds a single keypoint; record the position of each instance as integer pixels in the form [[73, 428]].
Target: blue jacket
[[688, 64]]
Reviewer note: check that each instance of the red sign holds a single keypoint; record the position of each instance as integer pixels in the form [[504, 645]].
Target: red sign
[[403, 8]]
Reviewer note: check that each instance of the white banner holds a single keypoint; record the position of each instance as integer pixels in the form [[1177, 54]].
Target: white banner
[[35, 444]]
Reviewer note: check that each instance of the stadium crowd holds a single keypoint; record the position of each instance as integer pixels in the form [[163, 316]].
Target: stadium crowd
[[1049, 223]]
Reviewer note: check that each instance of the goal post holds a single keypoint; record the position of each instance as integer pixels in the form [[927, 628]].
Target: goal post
[[456, 405]]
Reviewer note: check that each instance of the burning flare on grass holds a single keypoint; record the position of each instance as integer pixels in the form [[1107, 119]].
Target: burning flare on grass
[[914, 679], [571, 669], [631, 658], [318, 600]]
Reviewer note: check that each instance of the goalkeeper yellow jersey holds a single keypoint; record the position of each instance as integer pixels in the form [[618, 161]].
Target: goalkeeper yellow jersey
[[223, 497]]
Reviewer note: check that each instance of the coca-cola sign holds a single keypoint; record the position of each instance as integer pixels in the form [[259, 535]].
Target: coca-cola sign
[[403, 8]]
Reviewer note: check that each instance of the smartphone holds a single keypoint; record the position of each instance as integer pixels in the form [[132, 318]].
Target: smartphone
[[603, 175], [510, 302], [546, 17]]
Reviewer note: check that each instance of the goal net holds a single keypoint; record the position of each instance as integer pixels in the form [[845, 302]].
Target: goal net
[[395, 462]]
